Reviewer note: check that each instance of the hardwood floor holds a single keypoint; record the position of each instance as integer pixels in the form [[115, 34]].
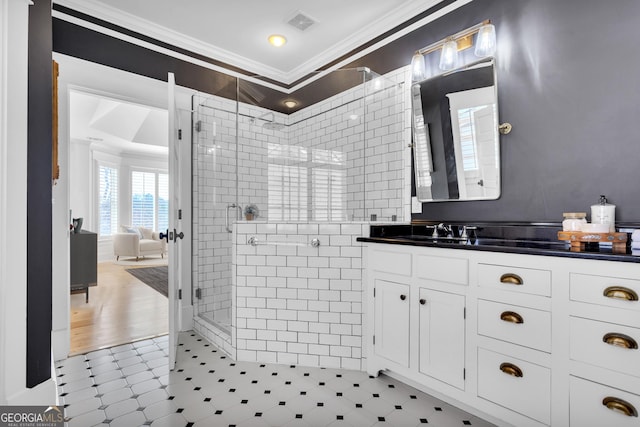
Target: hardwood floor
[[121, 309]]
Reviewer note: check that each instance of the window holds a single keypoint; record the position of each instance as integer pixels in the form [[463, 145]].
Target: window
[[163, 201], [108, 200], [305, 184], [327, 180], [150, 200], [287, 192]]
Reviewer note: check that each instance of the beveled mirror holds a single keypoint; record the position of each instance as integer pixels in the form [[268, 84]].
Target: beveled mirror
[[456, 145]]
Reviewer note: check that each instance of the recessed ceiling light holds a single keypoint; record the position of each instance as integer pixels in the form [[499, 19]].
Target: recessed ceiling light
[[290, 103], [277, 40]]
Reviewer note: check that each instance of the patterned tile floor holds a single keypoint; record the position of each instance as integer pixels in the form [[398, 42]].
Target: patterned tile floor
[[130, 385]]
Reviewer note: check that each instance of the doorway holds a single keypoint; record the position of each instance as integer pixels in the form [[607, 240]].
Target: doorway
[[119, 195], [134, 308]]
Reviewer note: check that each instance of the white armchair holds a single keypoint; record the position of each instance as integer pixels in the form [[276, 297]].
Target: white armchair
[[134, 244]]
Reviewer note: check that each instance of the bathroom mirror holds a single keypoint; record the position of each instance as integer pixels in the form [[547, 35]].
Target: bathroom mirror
[[456, 146]]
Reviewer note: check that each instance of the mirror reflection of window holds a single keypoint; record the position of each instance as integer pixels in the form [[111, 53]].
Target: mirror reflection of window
[[473, 120], [468, 138]]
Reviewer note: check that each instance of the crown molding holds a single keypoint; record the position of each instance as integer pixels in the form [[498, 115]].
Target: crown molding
[[163, 50], [376, 28], [166, 35]]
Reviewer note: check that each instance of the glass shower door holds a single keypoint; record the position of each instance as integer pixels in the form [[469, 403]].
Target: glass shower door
[[215, 206]]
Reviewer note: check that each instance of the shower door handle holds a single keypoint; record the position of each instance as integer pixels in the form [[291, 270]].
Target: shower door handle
[[231, 206]]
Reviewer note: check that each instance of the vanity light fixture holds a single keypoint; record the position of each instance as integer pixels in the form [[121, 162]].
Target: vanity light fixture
[[486, 41], [449, 55], [417, 67], [290, 103], [277, 40], [485, 45]]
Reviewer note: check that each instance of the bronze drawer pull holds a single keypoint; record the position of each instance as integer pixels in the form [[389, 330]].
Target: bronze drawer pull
[[511, 369], [620, 340], [620, 406], [403, 297], [511, 316], [423, 301], [511, 279], [620, 292]]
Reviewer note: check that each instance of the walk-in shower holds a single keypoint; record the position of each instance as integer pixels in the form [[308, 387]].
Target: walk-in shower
[[339, 160]]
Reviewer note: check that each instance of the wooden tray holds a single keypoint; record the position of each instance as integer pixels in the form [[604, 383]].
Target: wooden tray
[[579, 239]]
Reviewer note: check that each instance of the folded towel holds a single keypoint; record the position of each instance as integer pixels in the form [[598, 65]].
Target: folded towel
[[635, 235], [635, 245]]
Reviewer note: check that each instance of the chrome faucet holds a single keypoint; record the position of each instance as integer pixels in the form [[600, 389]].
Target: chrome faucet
[[445, 228], [435, 231], [464, 234], [440, 228]]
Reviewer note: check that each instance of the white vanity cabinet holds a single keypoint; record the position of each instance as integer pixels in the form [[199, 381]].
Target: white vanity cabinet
[[604, 337], [391, 324], [417, 315], [515, 327], [442, 336], [518, 339]]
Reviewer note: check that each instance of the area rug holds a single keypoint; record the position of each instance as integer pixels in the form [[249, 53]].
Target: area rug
[[155, 277], [150, 261]]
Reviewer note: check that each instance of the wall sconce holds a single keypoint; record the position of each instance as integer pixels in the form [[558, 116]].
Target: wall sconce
[[485, 45]]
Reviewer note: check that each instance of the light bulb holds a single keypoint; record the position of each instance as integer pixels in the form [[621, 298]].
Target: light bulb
[[449, 55], [417, 67], [486, 41], [277, 40]]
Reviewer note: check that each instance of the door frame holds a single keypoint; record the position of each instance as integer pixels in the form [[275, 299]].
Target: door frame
[[106, 81]]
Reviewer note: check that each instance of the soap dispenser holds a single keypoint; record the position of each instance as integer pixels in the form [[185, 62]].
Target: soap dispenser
[[604, 213]]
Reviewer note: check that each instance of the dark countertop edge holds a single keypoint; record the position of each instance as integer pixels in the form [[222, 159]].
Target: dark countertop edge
[[506, 249]]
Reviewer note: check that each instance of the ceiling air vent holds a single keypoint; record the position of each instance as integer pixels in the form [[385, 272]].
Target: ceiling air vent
[[301, 21]]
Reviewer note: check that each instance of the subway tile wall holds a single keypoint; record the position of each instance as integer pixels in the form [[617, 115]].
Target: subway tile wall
[[352, 150], [295, 303]]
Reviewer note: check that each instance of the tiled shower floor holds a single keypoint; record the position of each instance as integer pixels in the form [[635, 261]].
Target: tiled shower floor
[[130, 385]]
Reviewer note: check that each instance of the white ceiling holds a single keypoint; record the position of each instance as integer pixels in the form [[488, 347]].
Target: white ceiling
[[236, 32], [117, 126]]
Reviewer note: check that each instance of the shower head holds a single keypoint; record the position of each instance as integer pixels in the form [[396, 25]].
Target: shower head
[[273, 126], [270, 121]]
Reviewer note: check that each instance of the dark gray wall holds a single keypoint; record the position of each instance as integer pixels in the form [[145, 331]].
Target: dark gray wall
[[569, 82], [39, 195]]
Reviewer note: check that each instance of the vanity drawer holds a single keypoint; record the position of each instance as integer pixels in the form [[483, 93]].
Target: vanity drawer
[[516, 384], [518, 279], [519, 325], [608, 291], [587, 344], [443, 269], [593, 404], [398, 263]]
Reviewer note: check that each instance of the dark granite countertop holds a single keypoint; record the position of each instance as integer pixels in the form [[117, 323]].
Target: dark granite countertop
[[531, 240]]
